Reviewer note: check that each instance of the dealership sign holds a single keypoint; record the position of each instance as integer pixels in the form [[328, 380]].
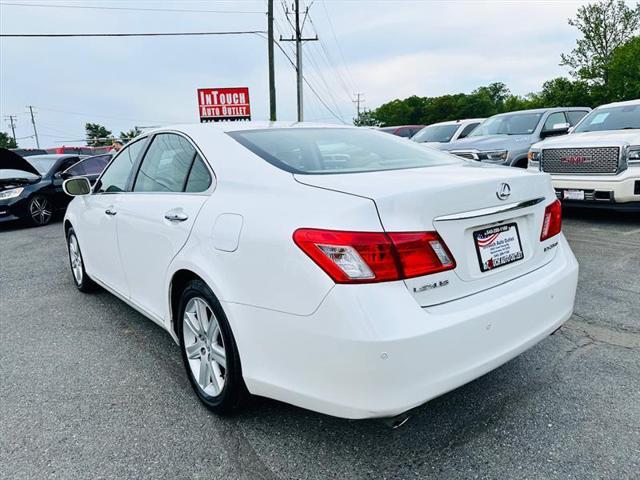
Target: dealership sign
[[215, 104]]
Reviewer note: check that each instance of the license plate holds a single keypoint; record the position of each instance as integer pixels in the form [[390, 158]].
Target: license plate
[[498, 246], [573, 194]]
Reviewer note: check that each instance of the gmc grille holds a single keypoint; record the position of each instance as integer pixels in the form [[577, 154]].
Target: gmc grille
[[580, 160]]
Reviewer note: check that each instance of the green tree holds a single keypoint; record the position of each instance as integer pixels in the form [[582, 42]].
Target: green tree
[[563, 92], [624, 72], [366, 119], [7, 141], [97, 135], [604, 26], [130, 134]]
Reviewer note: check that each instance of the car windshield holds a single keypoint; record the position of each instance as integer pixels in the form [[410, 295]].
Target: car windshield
[[43, 165], [337, 150], [613, 118], [511, 124], [435, 133]]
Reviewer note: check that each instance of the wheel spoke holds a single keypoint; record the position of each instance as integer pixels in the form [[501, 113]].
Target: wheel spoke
[[204, 374], [214, 330], [201, 313], [192, 323], [216, 377], [219, 356], [193, 351]]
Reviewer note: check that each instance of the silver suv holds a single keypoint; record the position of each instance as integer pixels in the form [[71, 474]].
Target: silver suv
[[505, 139]]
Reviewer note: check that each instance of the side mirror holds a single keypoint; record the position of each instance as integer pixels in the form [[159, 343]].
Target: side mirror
[[77, 186], [556, 129]]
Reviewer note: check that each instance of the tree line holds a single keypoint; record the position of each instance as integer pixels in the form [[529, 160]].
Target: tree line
[[604, 67]]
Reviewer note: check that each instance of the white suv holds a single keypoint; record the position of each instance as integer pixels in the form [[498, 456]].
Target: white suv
[[598, 163]]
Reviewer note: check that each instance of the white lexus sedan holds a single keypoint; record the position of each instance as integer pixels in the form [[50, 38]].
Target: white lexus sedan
[[339, 269]]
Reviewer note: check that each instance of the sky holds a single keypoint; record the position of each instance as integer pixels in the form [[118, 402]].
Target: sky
[[383, 49]]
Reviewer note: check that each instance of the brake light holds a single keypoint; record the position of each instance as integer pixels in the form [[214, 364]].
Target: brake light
[[368, 257], [552, 223]]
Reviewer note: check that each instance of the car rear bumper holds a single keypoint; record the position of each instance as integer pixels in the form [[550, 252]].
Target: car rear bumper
[[372, 351]]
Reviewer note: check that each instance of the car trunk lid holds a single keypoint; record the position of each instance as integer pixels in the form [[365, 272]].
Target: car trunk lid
[[455, 201]]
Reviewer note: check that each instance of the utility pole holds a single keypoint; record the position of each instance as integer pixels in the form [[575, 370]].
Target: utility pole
[[357, 101], [299, 39], [272, 73], [12, 122], [33, 121]]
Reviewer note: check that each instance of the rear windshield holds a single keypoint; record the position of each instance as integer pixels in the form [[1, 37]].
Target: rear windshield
[[337, 150], [625, 117]]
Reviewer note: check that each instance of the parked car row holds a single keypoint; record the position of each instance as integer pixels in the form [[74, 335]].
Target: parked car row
[[592, 156]]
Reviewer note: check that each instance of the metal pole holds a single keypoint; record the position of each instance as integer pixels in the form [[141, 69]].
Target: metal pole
[[33, 121], [13, 128], [299, 62], [272, 73]]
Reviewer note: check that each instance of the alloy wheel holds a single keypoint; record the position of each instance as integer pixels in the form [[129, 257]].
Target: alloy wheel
[[76, 259], [204, 346], [40, 210]]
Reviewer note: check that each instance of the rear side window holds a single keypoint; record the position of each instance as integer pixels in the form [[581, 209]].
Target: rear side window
[[89, 166], [199, 177], [467, 130], [171, 164], [554, 119], [115, 178], [575, 116]]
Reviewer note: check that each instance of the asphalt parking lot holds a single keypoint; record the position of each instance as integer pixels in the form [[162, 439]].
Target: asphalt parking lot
[[91, 389]]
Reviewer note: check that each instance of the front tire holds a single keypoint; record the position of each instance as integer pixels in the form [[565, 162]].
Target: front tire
[[76, 262], [40, 210], [209, 351]]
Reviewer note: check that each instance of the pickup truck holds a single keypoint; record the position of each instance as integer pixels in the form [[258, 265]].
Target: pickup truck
[[505, 139], [598, 163]]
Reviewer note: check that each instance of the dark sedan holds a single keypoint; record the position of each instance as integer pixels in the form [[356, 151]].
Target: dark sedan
[[31, 188]]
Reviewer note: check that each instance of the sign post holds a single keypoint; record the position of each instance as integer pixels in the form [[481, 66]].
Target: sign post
[[217, 104]]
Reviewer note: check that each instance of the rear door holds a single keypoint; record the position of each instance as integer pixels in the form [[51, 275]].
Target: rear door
[[155, 218]]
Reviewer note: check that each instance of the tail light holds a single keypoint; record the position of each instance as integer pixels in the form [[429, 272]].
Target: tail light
[[363, 257], [552, 223]]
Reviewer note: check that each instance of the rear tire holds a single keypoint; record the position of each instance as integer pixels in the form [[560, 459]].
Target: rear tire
[[209, 351], [76, 262]]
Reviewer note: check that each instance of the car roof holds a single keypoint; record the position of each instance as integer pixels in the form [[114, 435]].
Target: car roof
[[543, 110], [239, 126], [54, 156], [457, 122], [621, 104]]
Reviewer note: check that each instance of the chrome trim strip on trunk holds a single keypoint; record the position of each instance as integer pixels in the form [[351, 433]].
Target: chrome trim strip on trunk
[[489, 211]]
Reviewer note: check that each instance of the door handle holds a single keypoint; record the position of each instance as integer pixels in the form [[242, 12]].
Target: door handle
[[110, 211], [176, 216]]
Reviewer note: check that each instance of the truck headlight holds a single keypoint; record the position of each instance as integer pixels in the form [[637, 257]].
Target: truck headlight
[[11, 193], [494, 156], [534, 159], [634, 155]]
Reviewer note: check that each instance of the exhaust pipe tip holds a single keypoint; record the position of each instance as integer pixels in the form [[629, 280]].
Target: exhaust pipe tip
[[397, 421]]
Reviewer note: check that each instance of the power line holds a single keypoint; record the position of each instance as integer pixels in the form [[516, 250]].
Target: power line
[[309, 85], [299, 39], [149, 34], [134, 9]]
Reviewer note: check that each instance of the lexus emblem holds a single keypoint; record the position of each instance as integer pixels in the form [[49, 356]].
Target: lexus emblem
[[504, 191]]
